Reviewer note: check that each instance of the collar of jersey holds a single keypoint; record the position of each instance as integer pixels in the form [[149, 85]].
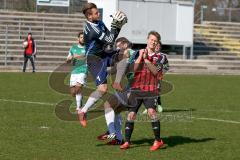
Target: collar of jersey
[[151, 54], [80, 46], [95, 24]]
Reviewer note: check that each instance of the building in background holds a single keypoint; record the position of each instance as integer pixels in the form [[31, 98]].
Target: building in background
[[174, 20]]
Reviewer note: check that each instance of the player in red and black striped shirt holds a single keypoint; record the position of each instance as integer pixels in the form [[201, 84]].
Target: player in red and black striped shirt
[[163, 67], [144, 89]]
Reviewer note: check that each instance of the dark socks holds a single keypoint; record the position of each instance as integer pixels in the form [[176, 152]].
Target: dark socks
[[159, 100], [156, 129], [128, 130]]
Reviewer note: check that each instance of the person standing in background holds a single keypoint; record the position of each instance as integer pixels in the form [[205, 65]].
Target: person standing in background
[[29, 45]]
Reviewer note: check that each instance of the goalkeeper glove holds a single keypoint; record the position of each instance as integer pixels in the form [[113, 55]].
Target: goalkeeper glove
[[119, 19]]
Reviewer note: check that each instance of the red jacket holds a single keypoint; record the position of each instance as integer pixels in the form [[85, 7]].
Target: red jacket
[[30, 49]]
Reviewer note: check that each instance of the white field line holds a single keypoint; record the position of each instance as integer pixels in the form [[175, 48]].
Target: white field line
[[216, 120], [200, 110], [29, 102], [217, 110], [51, 104]]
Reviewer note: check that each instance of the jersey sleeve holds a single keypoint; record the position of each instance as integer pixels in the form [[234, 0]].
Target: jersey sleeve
[[106, 37], [70, 53], [133, 56], [163, 63]]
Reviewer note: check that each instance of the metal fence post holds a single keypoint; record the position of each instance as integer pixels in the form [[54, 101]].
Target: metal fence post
[[36, 8], [19, 29], [202, 14], [191, 52], [43, 30], [6, 45], [229, 14], [5, 4], [184, 52]]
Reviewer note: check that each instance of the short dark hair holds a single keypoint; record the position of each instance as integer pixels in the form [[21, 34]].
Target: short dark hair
[[80, 33], [156, 34], [86, 10], [124, 40]]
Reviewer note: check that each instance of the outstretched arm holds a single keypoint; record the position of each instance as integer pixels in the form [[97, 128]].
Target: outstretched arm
[[103, 35]]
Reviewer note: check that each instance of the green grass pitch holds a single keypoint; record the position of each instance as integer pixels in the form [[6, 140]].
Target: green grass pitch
[[201, 122]]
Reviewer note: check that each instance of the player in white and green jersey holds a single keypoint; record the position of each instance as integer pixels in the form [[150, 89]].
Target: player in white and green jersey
[[79, 69]]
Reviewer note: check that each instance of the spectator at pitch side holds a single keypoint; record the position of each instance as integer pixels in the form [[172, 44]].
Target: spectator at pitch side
[[29, 46]]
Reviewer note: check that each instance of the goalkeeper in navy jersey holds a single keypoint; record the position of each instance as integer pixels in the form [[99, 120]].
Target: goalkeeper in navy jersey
[[99, 41]]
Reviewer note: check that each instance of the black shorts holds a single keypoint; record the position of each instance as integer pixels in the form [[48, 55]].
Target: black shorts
[[138, 97]]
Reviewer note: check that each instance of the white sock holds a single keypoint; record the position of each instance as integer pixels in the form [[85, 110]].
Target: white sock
[[118, 126], [96, 95], [78, 100], [110, 116]]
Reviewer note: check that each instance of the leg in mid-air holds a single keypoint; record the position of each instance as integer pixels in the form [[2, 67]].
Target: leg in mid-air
[[124, 45], [98, 69], [93, 98], [121, 70]]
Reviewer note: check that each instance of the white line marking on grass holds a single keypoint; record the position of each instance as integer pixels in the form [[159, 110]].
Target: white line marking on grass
[[29, 102], [44, 127], [217, 110], [51, 104], [199, 110], [217, 120]]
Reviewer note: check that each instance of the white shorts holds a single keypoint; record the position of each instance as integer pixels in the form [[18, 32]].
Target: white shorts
[[78, 78]]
